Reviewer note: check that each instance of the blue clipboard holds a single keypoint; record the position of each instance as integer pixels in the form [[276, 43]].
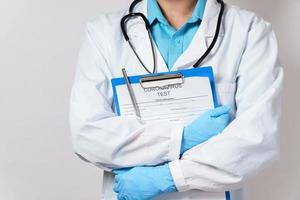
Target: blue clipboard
[[200, 72]]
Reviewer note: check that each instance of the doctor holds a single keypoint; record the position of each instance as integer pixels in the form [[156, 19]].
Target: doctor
[[207, 157]]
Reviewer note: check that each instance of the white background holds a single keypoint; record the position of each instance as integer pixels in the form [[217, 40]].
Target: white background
[[39, 42]]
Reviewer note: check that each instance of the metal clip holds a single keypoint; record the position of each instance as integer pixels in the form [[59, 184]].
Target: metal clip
[[163, 80]]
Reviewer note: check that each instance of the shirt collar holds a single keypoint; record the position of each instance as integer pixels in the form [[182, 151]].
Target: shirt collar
[[154, 12]]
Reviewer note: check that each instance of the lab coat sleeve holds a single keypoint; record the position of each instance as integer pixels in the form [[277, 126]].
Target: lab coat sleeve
[[100, 137], [251, 140]]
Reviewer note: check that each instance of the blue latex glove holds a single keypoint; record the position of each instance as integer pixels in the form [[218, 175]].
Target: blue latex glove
[[143, 183], [206, 126]]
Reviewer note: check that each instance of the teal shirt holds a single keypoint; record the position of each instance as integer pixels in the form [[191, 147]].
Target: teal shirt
[[171, 42]]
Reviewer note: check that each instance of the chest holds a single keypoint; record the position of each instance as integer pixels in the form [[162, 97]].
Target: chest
[[224, 58]]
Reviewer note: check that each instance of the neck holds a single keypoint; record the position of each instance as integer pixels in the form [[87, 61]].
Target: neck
[[177, 12]]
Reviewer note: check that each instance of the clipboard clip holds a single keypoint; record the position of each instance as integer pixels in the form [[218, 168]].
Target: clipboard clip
[[160, 81], [163, 80]]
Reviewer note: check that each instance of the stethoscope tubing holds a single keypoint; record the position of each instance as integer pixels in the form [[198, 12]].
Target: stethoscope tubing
[[131, 15], [217, 32]]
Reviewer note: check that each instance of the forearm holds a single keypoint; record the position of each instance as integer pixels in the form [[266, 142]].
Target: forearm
[[247, 145], [118, 142]]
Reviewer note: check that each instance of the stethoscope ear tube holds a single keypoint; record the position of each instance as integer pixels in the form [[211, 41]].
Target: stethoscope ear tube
[[123, 24], [128, 17], [133, 4], [123, 27], [211, 46]]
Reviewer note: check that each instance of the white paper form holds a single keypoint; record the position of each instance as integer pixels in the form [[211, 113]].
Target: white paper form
[[179, 103]]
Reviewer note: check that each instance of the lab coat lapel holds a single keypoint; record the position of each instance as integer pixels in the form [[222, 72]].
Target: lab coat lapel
[[140, 39], [202, 38]]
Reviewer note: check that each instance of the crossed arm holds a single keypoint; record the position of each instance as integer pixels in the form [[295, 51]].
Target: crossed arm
[[222, 163]]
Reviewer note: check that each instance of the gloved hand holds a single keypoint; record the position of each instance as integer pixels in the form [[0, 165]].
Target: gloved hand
[[143, 183], [206, 126]]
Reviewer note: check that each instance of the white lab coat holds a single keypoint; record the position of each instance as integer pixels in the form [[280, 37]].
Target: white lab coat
[[247, 74]]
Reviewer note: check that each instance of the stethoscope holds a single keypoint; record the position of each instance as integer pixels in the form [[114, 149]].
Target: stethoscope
[[131, 14]]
